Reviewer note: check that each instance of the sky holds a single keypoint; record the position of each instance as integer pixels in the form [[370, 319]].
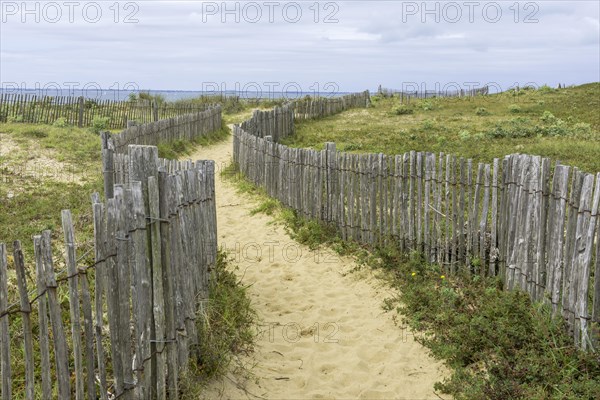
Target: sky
[[298, 46]]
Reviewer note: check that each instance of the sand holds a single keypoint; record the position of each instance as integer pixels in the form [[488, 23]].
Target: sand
[[324, 334]]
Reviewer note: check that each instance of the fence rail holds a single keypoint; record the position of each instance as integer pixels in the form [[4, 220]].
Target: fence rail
[[81, 112], [516, 218]]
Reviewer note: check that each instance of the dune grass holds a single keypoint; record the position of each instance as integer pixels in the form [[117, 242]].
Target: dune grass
[[226, 328], [563, 124]]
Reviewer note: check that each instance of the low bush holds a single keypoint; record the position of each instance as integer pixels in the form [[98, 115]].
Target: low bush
[[403, 110], [514, 108], [482, 111], [60, 123], [99, 124]]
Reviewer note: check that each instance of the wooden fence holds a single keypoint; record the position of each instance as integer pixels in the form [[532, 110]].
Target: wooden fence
[[428, 94], [81, 112], [279, 122], [132, 313], [516, 218], [320, 107], [183, 127]]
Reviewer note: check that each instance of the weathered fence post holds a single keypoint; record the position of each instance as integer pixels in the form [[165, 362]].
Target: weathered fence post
[[100, 248], [26, 311], [67, 225], [330, 179], [155, 110], [165, 188], [42, 319], [60, 340], [158, 300], [4, 328], [108, 167], [81, 107]]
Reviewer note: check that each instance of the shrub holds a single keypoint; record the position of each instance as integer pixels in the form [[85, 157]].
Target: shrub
[[428, 124], [514, 128], [548, 117], [464, 135], [557, 128], [514, 108], [403, 110], [546, 89], [427, 106], [35, 133], [481, 111], [353, 146], [60, 123], [100, 124], [582, 129]]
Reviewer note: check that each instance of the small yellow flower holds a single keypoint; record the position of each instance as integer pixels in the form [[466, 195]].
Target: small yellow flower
[[443, 277], [414, 273]]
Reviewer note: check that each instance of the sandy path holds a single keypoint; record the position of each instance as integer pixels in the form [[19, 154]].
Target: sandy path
[[324, 333]]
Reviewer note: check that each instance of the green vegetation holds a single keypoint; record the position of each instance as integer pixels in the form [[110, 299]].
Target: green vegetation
[[44, 169], [226, 328], [497, 343], [561, 124], [99, 124], [64, 143]]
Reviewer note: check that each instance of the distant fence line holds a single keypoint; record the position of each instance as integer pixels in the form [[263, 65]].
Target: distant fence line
[[428, 94], [78, 111], [319, 107], [183, 127], [279, 121], [515, 218], [134, 331]]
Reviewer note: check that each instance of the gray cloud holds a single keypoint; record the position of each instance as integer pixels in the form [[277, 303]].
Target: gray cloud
[[175, 46]]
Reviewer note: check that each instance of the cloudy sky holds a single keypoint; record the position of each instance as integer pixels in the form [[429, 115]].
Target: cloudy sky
[[307, 45]]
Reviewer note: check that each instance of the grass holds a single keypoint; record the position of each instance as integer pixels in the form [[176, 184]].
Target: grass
[[561, 124], [226, 329], [47, 169], [497, 343], [69, 144]]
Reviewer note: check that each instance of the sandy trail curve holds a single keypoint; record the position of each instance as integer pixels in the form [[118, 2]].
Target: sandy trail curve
[[324, 333]]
